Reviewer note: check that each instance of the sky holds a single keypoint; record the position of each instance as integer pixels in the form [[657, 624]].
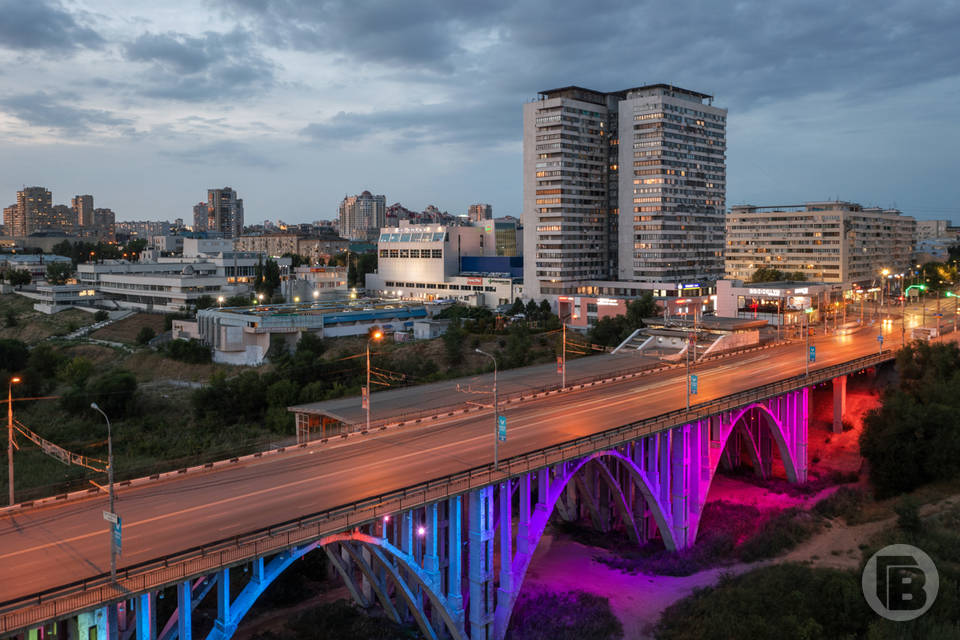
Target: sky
[[146, 105]]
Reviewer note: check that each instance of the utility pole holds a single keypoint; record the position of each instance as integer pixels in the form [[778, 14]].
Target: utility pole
[[496, 412], [113, 540], [13, 381], [376, 335]]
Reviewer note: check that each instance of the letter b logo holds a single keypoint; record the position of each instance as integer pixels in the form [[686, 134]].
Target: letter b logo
[[900, 582]]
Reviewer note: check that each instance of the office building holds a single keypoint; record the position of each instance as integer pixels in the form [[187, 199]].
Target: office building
[[224, 212], [831, 242], [479, 212], [359, 215], [433, 262], [626, 186], [83, 210], [200, 216]]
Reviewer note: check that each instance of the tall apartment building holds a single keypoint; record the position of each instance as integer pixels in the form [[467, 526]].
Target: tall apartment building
[[479, 212], [224, 212], [625, 186], [361, 215], [200, 217], [83, 210], [105, 223], [11, 220], [60, 218], [837, 242], [33, 211]]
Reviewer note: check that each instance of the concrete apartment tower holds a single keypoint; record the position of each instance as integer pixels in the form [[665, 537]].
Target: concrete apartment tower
[[225, 212], [479, 212], [625, 186], [83, 208], [33, 210], [361, 214]]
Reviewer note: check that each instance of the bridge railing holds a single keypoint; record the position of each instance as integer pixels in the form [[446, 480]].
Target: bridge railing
[[28, 611]]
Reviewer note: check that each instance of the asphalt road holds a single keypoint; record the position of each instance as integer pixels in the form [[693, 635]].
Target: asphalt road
[[51, 546]]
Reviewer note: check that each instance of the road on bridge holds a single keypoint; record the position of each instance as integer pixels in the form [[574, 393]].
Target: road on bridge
[[47, 547]]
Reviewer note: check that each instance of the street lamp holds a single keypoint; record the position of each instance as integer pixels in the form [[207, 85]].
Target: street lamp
[[14, 380], [315, 294], [113, 541], [951, 294], [806, 333], [496, 413], [220, 301], [903, 310], [260, 297], [376, 335]]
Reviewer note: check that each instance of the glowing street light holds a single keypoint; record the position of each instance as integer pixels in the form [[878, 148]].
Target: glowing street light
[[376, 335], [296, 298], [315, 294], [220, 301], [13, 381]]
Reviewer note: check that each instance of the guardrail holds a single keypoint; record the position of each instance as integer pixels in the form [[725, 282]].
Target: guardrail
[[28, 611]]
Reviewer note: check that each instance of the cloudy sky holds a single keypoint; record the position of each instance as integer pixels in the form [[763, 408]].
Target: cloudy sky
[[295, 104]]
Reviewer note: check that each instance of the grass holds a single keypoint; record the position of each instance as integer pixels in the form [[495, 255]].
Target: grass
[[845, 502], [126, 329], [33, 326]]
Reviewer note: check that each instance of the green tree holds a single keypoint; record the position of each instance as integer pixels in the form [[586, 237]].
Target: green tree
[[100, 316], [516, 308], [18, 277], [204, 302], [453, 342], [75, 371], [13, 354], [11, 318], [145, 335], [59, 272], [115, 393]]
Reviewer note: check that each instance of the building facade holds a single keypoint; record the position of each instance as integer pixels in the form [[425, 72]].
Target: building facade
[[622, 186], [831, 242], [224, 212], [33, 209], [83, 209], [362, 213], [314, 248], [479, 212]]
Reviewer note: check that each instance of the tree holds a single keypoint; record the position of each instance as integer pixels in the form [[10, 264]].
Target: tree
[[59, 272], [516, 308], [13, 354], [203, 302], [100, 316], [769, 274], [453, 342], [75, 371], [115, 393], [145, 335], [19, 277], [643, 307]]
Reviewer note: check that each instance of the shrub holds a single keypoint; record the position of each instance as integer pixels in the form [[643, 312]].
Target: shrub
[[780, 533], [11, 318], [13, 354], [114, 392], [145, 335], [568, 615], [192, 351], [845, 502], [100, 316]]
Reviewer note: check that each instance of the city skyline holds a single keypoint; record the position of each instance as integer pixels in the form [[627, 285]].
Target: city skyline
[[119, 101]]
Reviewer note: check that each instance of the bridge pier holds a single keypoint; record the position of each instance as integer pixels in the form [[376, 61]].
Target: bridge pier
[[839, 402]]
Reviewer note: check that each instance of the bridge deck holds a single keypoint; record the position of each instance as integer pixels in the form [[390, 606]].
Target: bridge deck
[[224, 512]]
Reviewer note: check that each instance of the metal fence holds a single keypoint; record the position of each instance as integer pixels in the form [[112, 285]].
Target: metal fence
[[29, 611]]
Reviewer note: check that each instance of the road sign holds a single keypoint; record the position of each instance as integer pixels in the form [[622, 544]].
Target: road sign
[[559, 365], [502, 428], [110, 517], [117, 535], [364, 401], [880, 339], [693, 384], [813, 354]]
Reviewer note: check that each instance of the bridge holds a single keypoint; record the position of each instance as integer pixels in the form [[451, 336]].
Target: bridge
[[417, 519]]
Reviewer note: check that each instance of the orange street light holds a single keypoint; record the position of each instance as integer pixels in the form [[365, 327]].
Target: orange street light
[[14, 380], [376, 335]]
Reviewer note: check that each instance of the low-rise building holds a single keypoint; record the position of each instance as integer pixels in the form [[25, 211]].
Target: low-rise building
[[243, 335], [35, 263], [315, 283], [54, 298]]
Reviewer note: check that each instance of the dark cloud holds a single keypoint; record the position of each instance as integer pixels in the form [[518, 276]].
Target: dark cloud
[[488, 123], [45, 26], [200, 68], [225, 153], [43, 110]]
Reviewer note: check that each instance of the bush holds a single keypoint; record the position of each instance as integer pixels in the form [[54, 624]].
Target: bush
[[780, 533], [845, 502], [191, 351], [13, 355], [779, 601], [569, 615], [145, 335], [75, 371], [100, 316], [115, 393], [11, 318]]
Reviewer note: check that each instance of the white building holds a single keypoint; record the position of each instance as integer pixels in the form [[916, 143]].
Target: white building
[[838, 242], [623, 186], [362, 213], [316, 283], [430, 262]]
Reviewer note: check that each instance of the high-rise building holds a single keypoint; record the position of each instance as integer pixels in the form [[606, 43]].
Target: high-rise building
[[361, 215], [11, 220], [224, 212], [60, 218], [34, 205], [837, 242], [479, 212], [83, 209], [104, 221], [626, 186], [200, 216]]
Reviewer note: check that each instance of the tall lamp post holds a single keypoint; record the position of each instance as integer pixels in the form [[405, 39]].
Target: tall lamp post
[[376, 335], [113, 541], [496, 413], [13, 381], [951, 294]]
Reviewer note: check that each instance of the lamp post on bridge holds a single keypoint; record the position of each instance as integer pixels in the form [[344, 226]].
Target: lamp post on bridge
[[14, 380], [496, 413], [376, 335], [903, 310], [113, 540]]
